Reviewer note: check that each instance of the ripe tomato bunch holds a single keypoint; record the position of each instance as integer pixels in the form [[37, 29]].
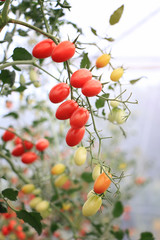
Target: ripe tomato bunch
[[23, 148]]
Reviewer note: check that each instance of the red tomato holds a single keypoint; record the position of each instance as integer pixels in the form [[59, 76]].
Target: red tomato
[[102, 183], [66, 109], [11, 225], [74, 136], [80, 77], [43, 49], [42, 144], [5, 231], [63, 51], [17, 140], [91, 88], [79, 118], [21, 235], [59, 92], [7, 136], [29, 157], [18, 150], [28, 145]]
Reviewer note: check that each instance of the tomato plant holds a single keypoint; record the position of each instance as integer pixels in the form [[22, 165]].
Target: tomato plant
[[59, 92], [79, 117], [43, 49]]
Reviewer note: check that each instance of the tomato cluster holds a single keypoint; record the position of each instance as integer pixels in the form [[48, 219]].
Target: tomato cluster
[[59, 53], [22, 147]]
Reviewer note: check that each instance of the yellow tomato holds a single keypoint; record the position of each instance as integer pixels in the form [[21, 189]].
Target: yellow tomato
[[80, 156], [96, 171], [103, 60], [58, 169], [92, 205], [116, 74], [60, 180], [28, 188], [34, 202], [42, 206], [91, 193], [112, 115], [37, 191], [66, 206]]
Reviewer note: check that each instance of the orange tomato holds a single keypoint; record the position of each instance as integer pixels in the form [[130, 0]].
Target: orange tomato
[[102, 183]]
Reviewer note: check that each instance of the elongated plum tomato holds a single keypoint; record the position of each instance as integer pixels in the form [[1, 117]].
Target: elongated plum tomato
[[42, 144], [63, 51], [61, 180], [80, 156], [28, 188], [59, 92], [103, 60], [79, 118], [66, 109], [18, 150], [91, 206], [8, 135], [102, 183], [43, 49], [91, 88], [33, 203], [74, 136], [80, 77], [29, 157], [116, 74], [58, 168]]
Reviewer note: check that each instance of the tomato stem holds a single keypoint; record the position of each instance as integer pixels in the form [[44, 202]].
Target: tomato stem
[[45, 20]]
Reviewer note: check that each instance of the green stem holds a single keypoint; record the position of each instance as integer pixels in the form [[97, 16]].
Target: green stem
[[94, 126], [13, 168], [44, 17], [5, 12], [69, 76], [8, 64], [15, 21], [38, 66]]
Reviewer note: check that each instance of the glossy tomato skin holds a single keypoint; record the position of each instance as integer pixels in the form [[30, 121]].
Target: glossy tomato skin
[[18, 150], [63, 51], [8, 136], [43, 49], [42, 144], [66, 109], [74, 136], [92, 205], [103, 60], [59, 92], [80, 77], [29, 157], [79, 118], [58, 168], [102, 183], [116, 74], [91, 88], [28, 145], [80, 156]]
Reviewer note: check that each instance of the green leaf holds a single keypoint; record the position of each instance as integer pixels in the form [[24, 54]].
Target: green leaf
[[72, 190], [100, 102], [118, 234], [20, 89], [54, 226], [94, 31], [115, 17], [37, 122], [87, 177], [8, 37], [3, 207], [10, 193], [135, 80], [110, 39], [147, 236], [12, 114], [21, 54], [118, 209], [32, 218], [7, 77], [16, 68], [85, 62]]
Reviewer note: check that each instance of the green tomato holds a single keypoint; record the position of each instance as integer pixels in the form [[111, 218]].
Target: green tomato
[[112, 115], [34, 202], [114, 104], [22, 80], [80, 156], [33, 75], [120, 116], [91, 206]]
